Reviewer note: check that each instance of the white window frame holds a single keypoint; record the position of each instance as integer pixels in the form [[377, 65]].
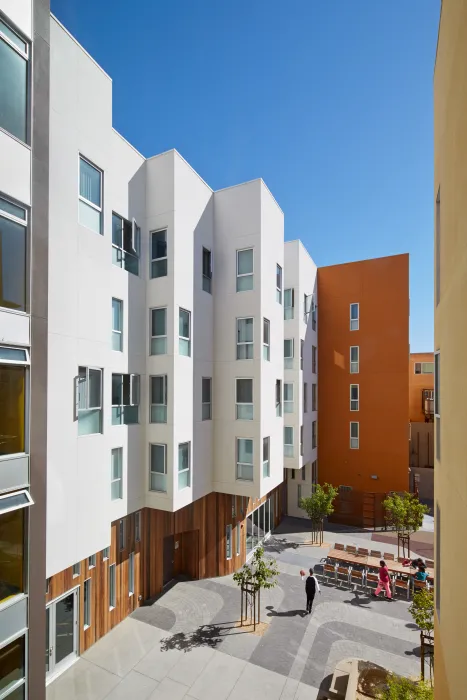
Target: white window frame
[[244, 464], [187, 469], [24, 223], [206, 279], [422, 366], [354, 322], [278, 403], [88, 408], [355, 403], [106, 554], [164, 473], [27, 502], [118, 331], [289, 452], [87, 612], [76, 570], [246, 342], [245, 274], [289, 403], [87, 201], [24, 53], [206, 406], [289, 310], [131, 574], [185, 339], [355, 441], [267, 462], [238, 538], [119, 479], [121, 535], [266, 344], [313, 313], [354, 364], [228, 542], [288, 359], [134, 253], [152, 404], [134, 396], [157, 308], [239, 403], [92, 561], [164, 257], [138, 526], [279, 273], [112, 586]]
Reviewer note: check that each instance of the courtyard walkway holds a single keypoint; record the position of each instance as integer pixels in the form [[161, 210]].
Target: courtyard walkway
[[188, 645]]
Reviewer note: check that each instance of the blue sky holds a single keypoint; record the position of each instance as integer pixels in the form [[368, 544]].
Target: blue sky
[[329, 101]]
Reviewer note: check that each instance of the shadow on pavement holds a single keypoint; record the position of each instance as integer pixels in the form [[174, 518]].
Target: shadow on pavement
[[285, 613]]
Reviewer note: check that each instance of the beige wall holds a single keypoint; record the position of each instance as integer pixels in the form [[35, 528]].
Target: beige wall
[[450, 113]]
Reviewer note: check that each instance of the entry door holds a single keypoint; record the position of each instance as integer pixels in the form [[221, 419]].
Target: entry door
[[168, 559], [61, 645]]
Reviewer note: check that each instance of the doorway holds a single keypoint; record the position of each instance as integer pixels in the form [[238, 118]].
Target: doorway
[[61, 642], [168, 571]]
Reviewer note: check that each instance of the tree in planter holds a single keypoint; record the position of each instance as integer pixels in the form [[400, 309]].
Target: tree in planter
[[404, 513], [318, 506], [399, 688], [259, 574], [422, 610]]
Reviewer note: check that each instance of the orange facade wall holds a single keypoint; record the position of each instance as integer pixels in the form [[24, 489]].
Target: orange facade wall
[[381, 288], [417, 383]]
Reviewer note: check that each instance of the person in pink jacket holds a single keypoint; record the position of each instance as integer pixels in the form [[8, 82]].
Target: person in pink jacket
[[384, 581]]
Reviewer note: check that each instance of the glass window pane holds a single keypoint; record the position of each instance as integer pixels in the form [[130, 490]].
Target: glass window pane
[[245, 283], [184, 324], [158, 459], [249, 534], [12, 427], [13, 37], [12, 263], [244, 391], [159, 322], [158, 390], [245, 451], [288, 348], [13, 91], [206, 390], [116, 315], [245, 330], [117, 463], [353, 311], [89, 217], [278, 277], [94, 389], [89, 182], [288, 392], [245, 262], [89, 422], [12, 209], [287, 297], [117, 390], [183, 480], [158, 346], [288, 435], [117, 230], [266, 331], [159, 245], [11, 554], [159, 268], [183, 456], [12, 666], [13, 354]]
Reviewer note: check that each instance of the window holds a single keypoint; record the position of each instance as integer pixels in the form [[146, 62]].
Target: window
[[302, 346], [121, 534], [288, 441], [207, 271], [90, 196], [228, 542], [244, 399], [13, 666], [117, 325], [184, 480], [126, 237], [266, 340], [438, 562], [245, 459], [106, 554], [288, 353], [424, 367], [265, 457], [206, 398], [299, 494], [87, 603], [158, 468], [292, 474], [158, 331], [306, 307], [288, 397], [184, 332], [13, 528], [313, 435], [138, 526], [301, 441], [278, 398], [125, 399], [354, 359], [313, 315], [313, 397], [234, 506], [354, 397], [89, 403], [158, 399], [92, 561], [288, 304], [354, 316], [314, 473], [244, 338], [354, 435], [14, 106], [158, 253], [237, 538], [12, 402], [303, 471], [438, 252], [259, 524], [313, 359], [279, 284], [13, 246], [344, 489], [112, 586], [244, 270], [116, 490], [131, 573], [437, 405], [76, 569]]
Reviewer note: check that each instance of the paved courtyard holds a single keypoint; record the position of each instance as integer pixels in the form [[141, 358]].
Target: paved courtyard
[[188, 645]]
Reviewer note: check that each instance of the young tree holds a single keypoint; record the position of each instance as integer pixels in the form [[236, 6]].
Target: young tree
[[422, 610], [318, 506], [260, 574], [404, 513], [399, 688]]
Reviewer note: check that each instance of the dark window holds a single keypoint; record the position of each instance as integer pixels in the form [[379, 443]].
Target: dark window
[[14, 83], [207, 270]]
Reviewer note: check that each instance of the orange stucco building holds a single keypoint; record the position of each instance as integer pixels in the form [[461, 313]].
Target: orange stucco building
[[363, 351], [421, 386]]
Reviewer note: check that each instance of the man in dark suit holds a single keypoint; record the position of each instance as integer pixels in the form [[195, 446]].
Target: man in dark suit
[[311, 588]]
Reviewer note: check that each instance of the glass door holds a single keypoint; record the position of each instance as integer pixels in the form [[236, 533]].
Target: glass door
[[61, 633]]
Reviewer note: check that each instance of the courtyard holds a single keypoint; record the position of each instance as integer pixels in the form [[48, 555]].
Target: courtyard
[[188, 643]]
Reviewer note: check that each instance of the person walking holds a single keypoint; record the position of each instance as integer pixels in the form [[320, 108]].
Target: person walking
[[311, 587], [383, 581]]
